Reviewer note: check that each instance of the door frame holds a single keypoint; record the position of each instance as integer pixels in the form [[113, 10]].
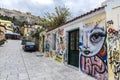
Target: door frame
[[66, 33], [43, 43], [74, 30]]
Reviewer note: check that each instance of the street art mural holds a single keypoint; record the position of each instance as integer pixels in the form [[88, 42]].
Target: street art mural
[[113, 42], [47, 43], [60, 42], [93, 50]]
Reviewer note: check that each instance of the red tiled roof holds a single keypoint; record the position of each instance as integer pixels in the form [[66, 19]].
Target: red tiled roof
[[90, 12]]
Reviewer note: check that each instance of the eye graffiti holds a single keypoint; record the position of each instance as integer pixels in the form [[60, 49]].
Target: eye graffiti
[[91, 39], [96, 37]]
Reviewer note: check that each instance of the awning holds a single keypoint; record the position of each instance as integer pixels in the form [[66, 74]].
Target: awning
[[11, 33]]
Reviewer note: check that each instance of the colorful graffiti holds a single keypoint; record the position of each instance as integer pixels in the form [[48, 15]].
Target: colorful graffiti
[[113, 38], [47, 46], [93, 50], [47, 43], [60, 42]]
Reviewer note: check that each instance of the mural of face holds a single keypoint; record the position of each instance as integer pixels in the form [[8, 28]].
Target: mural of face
[[92, 39], [93, 54]]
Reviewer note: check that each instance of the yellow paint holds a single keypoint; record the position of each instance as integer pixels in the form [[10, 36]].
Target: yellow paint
[[7, 24], [25, 31], [2, 35], [93, 19]]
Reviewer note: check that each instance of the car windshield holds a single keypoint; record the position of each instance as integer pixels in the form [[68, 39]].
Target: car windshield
[[30, 43], [23, 40]]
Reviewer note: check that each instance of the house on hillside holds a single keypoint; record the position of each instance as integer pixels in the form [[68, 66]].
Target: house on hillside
[[6, 23], [7, 31], [2, 32], [28, 30]]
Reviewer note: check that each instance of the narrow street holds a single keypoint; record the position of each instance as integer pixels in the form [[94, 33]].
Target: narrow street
[[15, 64]]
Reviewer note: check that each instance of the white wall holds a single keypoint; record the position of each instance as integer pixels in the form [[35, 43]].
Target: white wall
[[113, 12], [77, 24]]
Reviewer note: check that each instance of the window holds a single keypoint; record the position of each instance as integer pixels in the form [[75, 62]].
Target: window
[[54, 41]]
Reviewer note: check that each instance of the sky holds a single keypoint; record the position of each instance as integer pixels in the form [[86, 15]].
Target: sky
[[40, 7]]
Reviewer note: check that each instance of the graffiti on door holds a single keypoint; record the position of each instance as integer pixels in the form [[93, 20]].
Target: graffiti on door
[[93, 50]]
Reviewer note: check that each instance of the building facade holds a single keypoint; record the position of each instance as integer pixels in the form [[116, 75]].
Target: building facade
[[42, 41], [113, 39], [2, 32], [89, 42]]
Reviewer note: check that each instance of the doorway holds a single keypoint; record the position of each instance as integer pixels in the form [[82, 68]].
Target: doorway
[[73, 48], [43, 37]]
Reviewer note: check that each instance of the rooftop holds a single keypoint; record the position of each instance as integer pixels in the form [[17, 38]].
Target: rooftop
[[81, 16]]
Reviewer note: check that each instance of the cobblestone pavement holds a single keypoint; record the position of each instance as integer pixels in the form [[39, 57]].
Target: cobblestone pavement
[[15, 64]]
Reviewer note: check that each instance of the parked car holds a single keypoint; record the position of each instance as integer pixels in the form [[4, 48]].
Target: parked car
[[29, 46]]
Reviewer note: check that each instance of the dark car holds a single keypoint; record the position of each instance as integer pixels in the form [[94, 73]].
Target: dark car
[[23, 41], [29, 46]]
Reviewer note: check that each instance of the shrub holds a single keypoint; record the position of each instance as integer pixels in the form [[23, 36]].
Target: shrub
[[2, 41], [58, 59]]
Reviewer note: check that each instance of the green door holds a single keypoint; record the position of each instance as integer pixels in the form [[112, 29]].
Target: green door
[[73, 48]]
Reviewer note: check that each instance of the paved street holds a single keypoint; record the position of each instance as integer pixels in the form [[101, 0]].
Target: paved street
[[15, 64]]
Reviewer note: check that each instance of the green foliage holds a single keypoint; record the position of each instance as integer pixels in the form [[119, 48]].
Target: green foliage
[[55, 19], [5, 18], [35, 34], [16, 29], [58, 59], [29, 40], [13, 20], [2, 41]]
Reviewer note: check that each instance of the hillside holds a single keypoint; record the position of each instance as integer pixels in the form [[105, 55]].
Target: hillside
[[17, 17]]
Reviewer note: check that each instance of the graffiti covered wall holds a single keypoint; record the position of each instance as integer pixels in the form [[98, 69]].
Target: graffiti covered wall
[[47, 42], [113, 42], [113, 39], [93, 49], [55, 42], [60, 46]]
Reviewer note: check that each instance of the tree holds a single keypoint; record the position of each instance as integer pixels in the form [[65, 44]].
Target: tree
[[35, 35], [55, 19], [16, 29]]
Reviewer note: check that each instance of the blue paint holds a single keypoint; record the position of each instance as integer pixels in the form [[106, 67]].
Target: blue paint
[[80, 43], [47, 47]]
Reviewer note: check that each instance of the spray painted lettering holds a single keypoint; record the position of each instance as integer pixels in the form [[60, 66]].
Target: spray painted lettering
[[113, 38]]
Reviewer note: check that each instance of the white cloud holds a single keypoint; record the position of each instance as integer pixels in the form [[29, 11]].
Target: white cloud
[[39, 7], [43, 2], [78, 7]]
